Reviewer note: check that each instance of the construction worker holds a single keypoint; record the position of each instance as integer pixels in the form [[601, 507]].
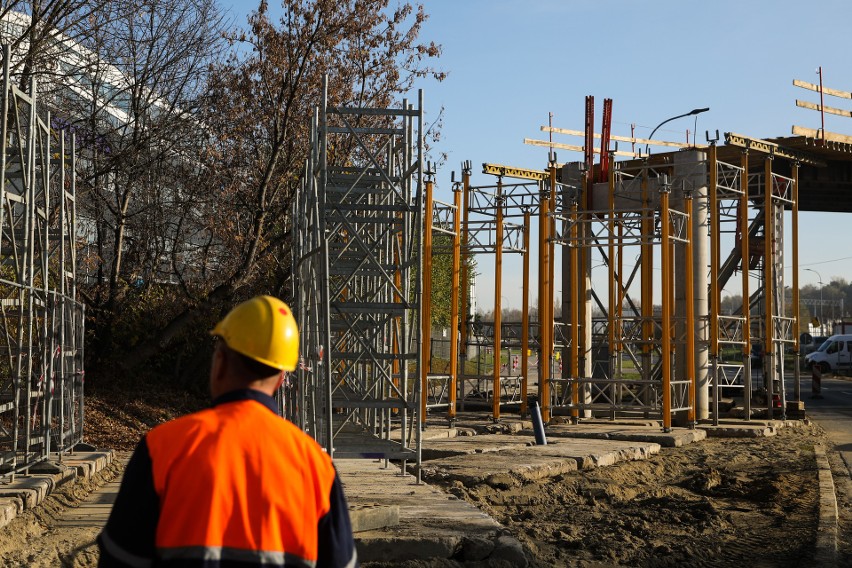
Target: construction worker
[[233, 485]]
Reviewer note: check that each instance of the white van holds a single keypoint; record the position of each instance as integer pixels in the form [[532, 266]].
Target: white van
[[835, 353]]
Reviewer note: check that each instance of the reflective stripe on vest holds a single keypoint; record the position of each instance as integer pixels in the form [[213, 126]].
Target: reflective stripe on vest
[[237, 478], [235, 555]]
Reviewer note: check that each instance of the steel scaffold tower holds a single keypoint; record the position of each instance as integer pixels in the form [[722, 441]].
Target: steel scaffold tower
[[41, 324], [357, 262]]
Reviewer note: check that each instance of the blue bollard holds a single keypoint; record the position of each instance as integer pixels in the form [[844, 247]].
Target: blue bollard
[[538, 426]]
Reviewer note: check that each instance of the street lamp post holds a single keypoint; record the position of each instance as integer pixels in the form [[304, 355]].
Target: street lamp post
[[690, 113], [819, 279]]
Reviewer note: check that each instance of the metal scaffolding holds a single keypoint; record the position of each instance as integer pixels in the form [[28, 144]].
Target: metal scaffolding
[[41, 324], [649, 340], [357, 260]]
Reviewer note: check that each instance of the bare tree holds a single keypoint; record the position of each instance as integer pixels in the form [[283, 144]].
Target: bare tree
[[132, 97], [260, 107]]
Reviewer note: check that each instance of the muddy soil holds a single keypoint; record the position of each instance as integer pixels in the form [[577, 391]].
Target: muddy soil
[[731, 502]]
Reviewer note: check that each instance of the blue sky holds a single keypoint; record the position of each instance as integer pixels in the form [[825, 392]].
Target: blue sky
[[510, 63]]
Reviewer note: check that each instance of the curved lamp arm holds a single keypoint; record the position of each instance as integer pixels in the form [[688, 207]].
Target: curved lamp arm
[[690, 113]]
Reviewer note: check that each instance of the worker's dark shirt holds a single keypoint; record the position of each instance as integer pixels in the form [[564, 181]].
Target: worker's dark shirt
[[234, 485]]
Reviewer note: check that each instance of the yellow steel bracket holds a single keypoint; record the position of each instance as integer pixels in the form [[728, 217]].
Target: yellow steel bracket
[[767, 147], [520, 173]]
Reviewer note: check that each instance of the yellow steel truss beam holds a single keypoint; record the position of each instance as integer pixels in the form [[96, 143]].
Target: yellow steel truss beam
[[520, 173]]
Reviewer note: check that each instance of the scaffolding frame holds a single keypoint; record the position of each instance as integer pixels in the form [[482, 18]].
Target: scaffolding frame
[[357, 265], [43, 326], [490, 227], [650, 204], [638, 212]]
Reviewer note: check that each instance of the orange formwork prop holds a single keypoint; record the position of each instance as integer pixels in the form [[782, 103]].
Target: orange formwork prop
[[525, 318], [498, 308], [454, 306], [667, 302], [543, 274]]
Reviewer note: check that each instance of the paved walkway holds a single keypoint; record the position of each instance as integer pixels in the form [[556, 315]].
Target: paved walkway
[[94, 511]]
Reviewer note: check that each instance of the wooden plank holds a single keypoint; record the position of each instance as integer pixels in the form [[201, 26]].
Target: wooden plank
[[829, 136], [828, 109], [825, 90], [572, 147], [647, 141]]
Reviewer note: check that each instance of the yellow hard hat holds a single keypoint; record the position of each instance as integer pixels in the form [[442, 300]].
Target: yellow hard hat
[[262, 329]]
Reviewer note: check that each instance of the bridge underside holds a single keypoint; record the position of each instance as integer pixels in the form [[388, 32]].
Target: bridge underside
[[826, 186]]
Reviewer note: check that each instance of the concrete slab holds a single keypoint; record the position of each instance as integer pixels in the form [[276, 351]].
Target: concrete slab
[[432, 524], [370, 516], [522, 463], [437, 448], [505, 469], [627, 432]]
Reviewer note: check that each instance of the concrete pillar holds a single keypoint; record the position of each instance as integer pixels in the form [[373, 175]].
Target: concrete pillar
[[571, 174], [690, 169]]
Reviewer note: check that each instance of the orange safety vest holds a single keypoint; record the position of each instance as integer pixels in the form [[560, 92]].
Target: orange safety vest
[[236, 482]]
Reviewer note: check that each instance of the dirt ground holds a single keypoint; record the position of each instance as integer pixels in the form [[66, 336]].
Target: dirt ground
[[720, 502], [34, 538]]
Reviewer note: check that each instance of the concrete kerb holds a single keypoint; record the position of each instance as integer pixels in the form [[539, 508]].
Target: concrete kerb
[[826, 542], [30, 490]]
